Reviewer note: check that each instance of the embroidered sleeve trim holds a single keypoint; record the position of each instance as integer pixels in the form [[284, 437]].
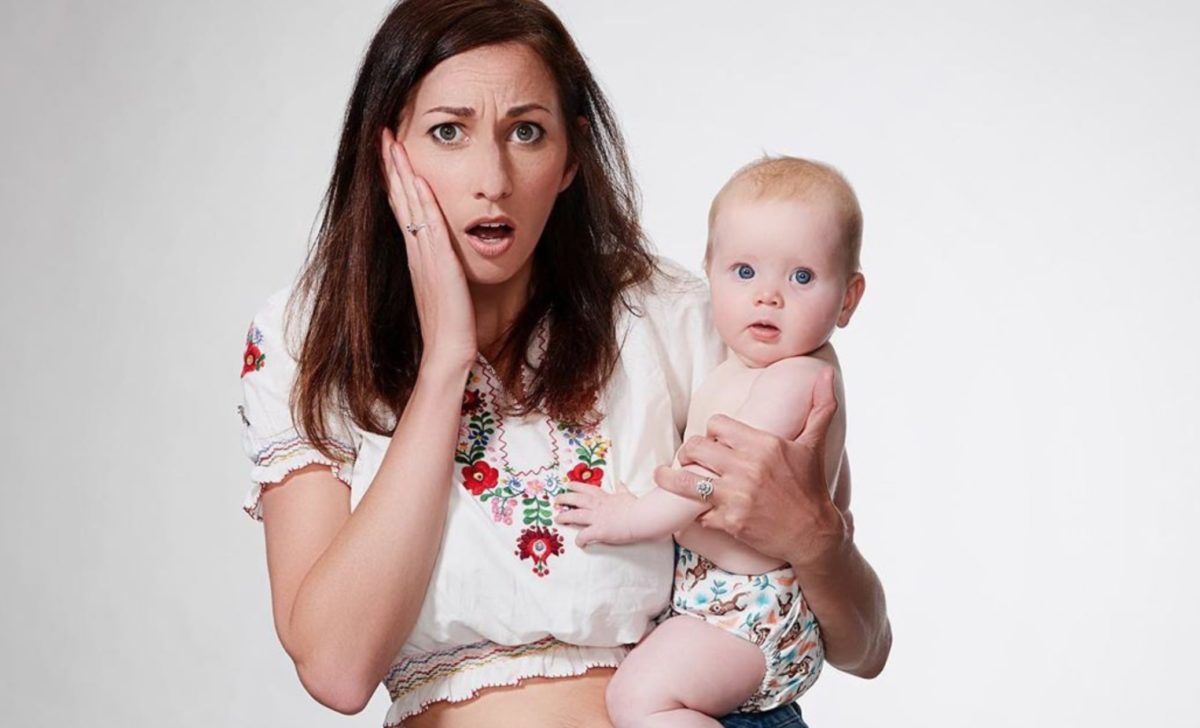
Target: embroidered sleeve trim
[[281, 451], [277, 459]]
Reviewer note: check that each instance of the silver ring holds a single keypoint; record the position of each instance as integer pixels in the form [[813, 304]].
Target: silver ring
[[704, 489], [414, 228]]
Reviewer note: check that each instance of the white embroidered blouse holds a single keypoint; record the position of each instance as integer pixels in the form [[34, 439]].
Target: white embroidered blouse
[[511, 596]]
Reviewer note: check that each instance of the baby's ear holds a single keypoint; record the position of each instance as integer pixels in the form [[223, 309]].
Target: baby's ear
[[854, 294]]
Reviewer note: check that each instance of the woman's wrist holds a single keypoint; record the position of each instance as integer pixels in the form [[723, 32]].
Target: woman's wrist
[[439, 367], [825, 552], [828, 565]]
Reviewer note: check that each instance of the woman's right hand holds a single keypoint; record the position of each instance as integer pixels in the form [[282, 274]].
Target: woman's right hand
[[443, 302]]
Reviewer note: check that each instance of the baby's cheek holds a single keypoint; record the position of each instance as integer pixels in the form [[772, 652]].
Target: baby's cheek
[[721, 318]]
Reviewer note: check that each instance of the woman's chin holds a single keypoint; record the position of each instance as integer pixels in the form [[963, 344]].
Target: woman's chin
[[487, 272]]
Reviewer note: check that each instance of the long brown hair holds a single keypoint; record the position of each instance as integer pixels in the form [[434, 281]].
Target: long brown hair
[[362, 346]]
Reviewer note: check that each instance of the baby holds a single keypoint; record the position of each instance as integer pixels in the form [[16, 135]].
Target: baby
[[782, 264]]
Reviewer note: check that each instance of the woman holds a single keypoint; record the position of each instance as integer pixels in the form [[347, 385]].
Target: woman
[[480, 327]]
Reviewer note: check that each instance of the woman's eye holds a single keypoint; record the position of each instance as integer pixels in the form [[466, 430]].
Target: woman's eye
[[802, 276], [527, 133], [744, 271], [446, 133]]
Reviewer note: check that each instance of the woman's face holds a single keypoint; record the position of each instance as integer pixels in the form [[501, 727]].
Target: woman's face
[[484, 128]]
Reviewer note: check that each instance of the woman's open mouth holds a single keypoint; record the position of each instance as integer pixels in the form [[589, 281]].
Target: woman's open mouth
[[764, 331], [491, 237]]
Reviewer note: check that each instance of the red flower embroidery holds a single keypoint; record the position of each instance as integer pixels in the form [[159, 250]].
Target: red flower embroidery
[[581, 473], [479, 477], [253, 359], [470, 401], [539, 544]]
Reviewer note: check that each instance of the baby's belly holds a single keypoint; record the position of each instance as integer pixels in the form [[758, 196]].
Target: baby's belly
[[725, 551], [564, 702]]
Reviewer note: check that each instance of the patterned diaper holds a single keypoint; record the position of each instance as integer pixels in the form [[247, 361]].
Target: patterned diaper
[[766, 609]]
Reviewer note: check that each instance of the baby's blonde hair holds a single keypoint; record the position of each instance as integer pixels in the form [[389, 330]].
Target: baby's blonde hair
[[782, 178]]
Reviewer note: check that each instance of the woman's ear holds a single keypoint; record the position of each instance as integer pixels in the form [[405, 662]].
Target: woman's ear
[[854, 294], [568, 176], [573, 166]]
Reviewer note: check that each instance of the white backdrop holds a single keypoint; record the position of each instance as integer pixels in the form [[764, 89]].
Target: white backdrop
[[1021, 374]]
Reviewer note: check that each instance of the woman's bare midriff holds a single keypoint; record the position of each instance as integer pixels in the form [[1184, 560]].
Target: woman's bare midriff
[[538, 702]]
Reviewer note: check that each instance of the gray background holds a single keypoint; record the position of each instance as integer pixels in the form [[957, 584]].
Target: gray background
[[1021, 374]]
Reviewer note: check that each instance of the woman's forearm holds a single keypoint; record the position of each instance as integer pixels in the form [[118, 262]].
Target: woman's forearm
[[847, 599], [358, 603]]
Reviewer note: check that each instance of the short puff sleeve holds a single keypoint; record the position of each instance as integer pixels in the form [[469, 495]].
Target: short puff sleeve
[[270, 437]]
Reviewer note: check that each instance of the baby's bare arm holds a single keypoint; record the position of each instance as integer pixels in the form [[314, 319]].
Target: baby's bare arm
[[621, 517], [779, 402]]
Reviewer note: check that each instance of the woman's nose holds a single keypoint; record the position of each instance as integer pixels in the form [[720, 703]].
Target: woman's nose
[[494, 178]]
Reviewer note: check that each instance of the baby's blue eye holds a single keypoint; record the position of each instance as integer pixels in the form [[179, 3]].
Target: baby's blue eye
[[802, 276], [745, 272]]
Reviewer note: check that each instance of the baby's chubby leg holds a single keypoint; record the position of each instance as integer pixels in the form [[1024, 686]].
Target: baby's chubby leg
[[683, 673]]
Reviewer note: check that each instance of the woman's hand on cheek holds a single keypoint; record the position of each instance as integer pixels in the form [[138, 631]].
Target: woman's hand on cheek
[[439, 286], [770, 493]]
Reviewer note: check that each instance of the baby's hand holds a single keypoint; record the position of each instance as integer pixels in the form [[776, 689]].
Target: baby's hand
[[604, 516]]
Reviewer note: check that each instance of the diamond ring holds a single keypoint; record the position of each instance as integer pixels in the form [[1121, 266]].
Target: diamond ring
[[704, 489], [414, 228]]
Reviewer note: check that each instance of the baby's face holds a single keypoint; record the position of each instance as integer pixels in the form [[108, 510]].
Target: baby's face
[[779, 278]]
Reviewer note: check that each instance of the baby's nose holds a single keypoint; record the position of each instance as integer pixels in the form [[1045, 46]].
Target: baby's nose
[[768, 296]]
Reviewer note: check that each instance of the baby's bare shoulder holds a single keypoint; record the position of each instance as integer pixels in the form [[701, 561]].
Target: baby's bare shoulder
[[795, 374], [780, 398]]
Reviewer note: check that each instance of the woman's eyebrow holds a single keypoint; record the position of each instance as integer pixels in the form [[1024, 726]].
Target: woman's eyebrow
[[525, 109], [468, 112]]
